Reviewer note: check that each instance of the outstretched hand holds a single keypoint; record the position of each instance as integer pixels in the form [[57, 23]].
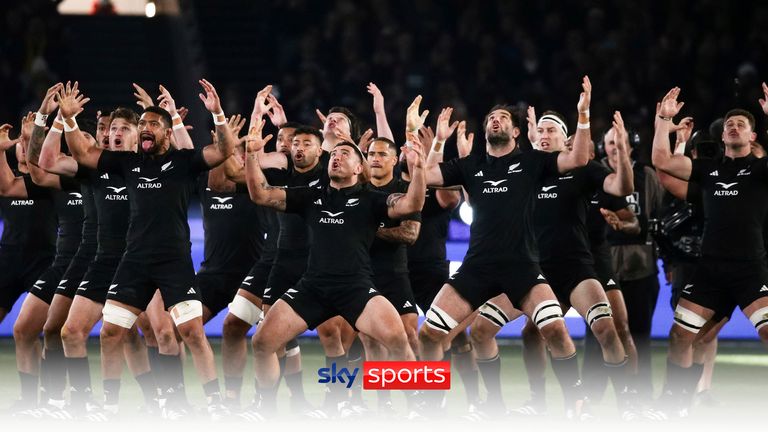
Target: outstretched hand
[[210, 98], [413, 120]]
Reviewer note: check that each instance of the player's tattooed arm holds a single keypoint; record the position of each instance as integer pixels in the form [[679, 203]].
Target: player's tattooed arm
[[392, 199], [259, 190], [407, 232]]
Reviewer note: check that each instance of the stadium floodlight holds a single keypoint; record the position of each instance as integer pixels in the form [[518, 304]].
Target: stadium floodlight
[[150, 9]]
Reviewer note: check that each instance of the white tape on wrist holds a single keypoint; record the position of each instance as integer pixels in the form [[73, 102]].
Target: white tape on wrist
[[40, 119], [216, 119], [178, 126], [582, 126], [68, 128]]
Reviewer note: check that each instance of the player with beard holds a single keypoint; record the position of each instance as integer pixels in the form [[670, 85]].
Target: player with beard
[[502, 256], [21, 199], [343, 218], [157, 249], [732, 269]]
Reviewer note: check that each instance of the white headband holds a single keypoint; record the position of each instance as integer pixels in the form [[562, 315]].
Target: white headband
[[555, 120]]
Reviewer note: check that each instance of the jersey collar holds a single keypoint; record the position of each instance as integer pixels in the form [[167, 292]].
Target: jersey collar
[[514, 153], [351, 190]]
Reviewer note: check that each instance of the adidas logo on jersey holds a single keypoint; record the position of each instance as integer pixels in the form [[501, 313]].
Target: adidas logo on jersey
[[479, 173], [105, 176], [610, 282], [540, 277], [714, 173], [407, 304], [191, 291], [137, 169], [371, 291], [764, 289], [318, 202]]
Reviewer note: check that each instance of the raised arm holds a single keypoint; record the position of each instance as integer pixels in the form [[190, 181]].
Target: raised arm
[[10, 185], [71, 103], [382, 125], [678, 188], [266, 104], [622, 182], [400, 205], [447, 198], [662, 157], [216, 154], [533, 129], [259, 190], [582, 141], [407, 232], [181, 138]]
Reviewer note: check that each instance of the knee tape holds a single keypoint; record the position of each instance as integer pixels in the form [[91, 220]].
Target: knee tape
[[689, 320], [185, 311], [546, 313], [439, 320], [118, 316], [597, 312], [494, 314], [242, 308], [759, 318]]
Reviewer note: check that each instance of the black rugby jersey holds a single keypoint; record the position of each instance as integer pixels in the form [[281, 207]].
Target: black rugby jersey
[[233, 233], [69, 208], [734, 194], [29, 224], [342, 226], [502, 192], [387, 256], [294, 233], [561, 213], [158, 191], [110, 194]]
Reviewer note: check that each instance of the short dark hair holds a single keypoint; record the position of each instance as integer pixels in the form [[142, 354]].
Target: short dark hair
[[126, 114], [741, 112], [292, 125], [307, 130], [87, 125], [354, 125], [508, 108], [390, 144], [165, 115]]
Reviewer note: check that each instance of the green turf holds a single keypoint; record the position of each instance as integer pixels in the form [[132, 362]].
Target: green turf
[[739, 382]]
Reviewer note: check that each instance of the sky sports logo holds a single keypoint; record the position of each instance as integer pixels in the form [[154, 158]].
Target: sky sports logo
[[391, 375]]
